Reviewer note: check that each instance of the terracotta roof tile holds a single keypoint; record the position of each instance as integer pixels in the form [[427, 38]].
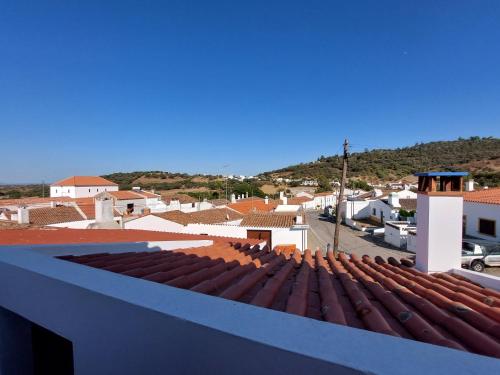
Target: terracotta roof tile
[[125, 195], [299, 200], [249, 206], [268, 220], [388, 298], [212, 216], [84, 181], [489, 196], [54, 215], [220, 202], [408, 204], [176, 216]]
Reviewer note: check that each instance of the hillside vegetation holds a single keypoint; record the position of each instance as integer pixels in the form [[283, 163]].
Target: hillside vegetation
[[480, 156]]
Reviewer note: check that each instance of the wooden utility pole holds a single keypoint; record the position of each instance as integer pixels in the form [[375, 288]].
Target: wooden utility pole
[[339, 199]]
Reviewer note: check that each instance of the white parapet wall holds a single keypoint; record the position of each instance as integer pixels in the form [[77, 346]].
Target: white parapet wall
[[124, 325]]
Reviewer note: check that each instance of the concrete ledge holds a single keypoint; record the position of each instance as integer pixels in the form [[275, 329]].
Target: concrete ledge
[[488, 281], [120, 324]]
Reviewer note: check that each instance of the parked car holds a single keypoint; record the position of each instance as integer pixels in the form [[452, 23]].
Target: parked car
[[477, 254]]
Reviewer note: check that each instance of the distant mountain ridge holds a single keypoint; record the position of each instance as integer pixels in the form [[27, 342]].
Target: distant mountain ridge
[[480, 156]]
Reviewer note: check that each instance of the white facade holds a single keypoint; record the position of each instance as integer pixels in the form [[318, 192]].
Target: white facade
[[322, 201], [396, 233], [439, 240], [79, 191], [474, 211], [152, 222]]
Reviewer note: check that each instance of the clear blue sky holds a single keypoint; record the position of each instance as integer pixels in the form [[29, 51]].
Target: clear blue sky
[[93, 87]]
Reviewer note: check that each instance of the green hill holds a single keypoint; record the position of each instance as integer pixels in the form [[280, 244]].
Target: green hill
[[480, 156]]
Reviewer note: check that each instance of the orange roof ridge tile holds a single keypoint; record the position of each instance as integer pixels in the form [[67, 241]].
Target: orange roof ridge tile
[[382, 296]]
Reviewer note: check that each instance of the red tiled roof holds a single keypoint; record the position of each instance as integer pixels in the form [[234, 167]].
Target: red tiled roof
[[125, 195], [176, 216], [408, 204], [212, 216], [33, 200], [84, 181], [268, 220], [489, 196], [249, 206], [72, 236], [54, 215], [9, 225], [219, 202], [298, 200], [388, 298]]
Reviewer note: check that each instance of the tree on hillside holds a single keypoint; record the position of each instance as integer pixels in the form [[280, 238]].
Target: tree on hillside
[[323, 185]]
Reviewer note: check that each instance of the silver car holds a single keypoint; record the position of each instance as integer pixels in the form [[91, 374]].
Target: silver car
[[477, 254]]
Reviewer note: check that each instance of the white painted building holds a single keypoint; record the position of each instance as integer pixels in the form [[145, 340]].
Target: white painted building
[[482, 214], [380, 208], [322, 200], [396, 233], [81, 187]]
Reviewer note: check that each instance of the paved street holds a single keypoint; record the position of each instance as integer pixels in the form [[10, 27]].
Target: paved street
[[351, 241]]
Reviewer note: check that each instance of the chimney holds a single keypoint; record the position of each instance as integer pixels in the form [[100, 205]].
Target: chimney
[[53, 204], [266, 200], [439, 226], [233, 198], [394, 200], [469, 185], [246, 194], [23, 215], [282, 194], [298, 219], [285, 200], [104, 210]]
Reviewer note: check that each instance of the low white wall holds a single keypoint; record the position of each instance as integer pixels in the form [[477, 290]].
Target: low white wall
[[221, 230], [82, 224], [356, 209], [151, 222], [286, 236], [393, 236], [488, 281]]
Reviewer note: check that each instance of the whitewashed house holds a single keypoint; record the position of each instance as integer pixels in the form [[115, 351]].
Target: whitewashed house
[[377, 207], [81, 187], [396, 233], [482, 214]]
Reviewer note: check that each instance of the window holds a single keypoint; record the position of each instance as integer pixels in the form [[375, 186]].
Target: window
[[374, 212], [130, 208], [89, 190], [487, 227]]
